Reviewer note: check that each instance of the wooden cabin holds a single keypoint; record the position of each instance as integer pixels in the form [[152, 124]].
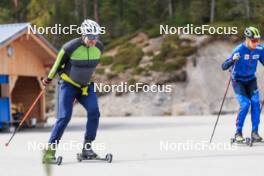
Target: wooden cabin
[[24, 58]]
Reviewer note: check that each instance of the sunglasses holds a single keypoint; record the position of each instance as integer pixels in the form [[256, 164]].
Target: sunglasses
[[255, 40], [92, 37]]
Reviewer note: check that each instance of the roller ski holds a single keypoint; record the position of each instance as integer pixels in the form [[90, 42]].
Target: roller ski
[[255, 138], [239, 139], [89, 154], [50, 158]]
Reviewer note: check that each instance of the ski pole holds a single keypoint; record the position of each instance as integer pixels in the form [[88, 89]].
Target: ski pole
[[219, 113], [26, 116], [262, 103]]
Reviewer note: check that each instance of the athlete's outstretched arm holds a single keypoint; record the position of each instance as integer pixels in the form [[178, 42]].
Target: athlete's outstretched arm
[[61, 59]]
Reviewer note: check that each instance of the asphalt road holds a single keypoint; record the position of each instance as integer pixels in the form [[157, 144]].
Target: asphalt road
[[140, 146]]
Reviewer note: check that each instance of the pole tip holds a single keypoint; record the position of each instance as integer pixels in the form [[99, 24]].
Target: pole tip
[[6, 144]]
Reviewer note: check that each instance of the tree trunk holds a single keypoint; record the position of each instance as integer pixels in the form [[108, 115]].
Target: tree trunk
[[170, 8], [247, 9], [212, 11], [85, 2], [16, 10], [76, 10], [120, 9], [56, 20], [96, 10]]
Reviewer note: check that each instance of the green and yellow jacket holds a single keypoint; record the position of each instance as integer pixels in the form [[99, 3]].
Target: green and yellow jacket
[[76, 62]]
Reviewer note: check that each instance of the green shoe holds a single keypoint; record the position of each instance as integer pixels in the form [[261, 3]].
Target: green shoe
[[239, 137], [49, 155], [47, 159]]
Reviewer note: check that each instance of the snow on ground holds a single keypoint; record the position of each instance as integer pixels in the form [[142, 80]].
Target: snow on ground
[[136, 146]]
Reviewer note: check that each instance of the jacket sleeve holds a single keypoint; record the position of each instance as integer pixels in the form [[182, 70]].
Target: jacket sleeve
[[228, 63], [60, 60]]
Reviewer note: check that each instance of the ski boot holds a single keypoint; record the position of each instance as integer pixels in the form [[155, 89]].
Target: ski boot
[[49, 156], [255, 138], [239, 139], [89, 154], [87, 151]]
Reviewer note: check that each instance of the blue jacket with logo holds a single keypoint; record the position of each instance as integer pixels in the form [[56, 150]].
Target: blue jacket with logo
[[244, 69]]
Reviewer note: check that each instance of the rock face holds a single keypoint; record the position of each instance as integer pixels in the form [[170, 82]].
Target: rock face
[[207, 82], [200, 94]]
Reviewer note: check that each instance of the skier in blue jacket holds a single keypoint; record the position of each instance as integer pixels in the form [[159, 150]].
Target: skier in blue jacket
[[243, 64]]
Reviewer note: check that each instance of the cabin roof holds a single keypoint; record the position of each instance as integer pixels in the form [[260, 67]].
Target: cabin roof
[[12, 31]]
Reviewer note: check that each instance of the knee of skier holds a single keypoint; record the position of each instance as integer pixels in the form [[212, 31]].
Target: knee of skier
[[64, 120], [94, 113], [255, 99], [244, 105]]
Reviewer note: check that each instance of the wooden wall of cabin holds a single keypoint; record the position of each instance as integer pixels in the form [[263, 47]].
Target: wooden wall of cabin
[[26, 59]]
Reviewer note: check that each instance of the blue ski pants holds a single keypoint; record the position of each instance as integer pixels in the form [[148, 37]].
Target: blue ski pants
[[67, 93], [247, 95]]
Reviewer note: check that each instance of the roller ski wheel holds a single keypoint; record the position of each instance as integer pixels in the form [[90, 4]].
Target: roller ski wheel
[[248, 141], [232, 141], [251, 143], [79, 157], [59, 160], [108, 158]]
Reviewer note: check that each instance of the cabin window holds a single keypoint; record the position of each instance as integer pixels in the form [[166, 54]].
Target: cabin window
[[10, 51]]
